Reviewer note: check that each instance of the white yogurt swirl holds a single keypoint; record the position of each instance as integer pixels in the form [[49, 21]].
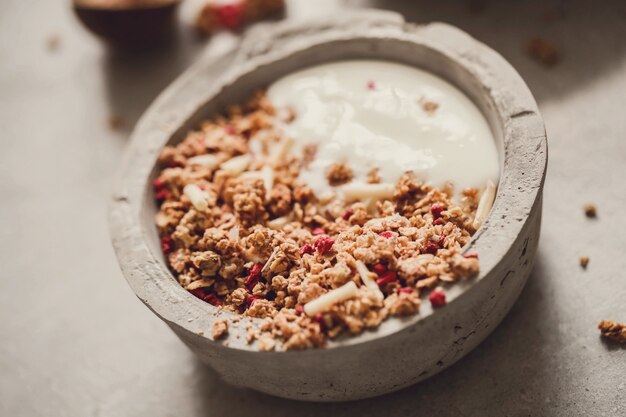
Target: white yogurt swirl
[[372, 114]]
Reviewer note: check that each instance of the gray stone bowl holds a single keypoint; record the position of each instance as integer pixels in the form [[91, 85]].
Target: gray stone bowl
[[400, 352]]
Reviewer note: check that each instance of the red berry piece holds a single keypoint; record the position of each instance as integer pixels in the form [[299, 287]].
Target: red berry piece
[[253, 275], [347, 214], [387, 277], [318, 231], [431, 248], [471, 255], [437, 297], [386, 235], [323, 244], [436, 210], [306, 249], [167, 244]]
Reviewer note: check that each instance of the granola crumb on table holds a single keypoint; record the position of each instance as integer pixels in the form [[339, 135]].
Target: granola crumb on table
[[240, 231], [613, 330]]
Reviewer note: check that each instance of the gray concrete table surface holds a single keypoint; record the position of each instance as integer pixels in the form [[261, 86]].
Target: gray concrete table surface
[[74, 340]]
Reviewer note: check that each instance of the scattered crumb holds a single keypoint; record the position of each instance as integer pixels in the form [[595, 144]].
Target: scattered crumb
[[52, 42], [613, 330], [590, 210], [220, 329], [584, 261], [373, 177], [543, 51], [116, 122], [200, 333], [339, 174], [428, 106]]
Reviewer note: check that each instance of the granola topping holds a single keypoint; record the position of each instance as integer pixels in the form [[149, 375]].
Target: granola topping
[[241, 230]]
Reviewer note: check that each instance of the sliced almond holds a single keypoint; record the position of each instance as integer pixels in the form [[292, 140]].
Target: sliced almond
[[199, 199], [353, 192], [326, 301], [368, 281], [484, 204], [236, 165], [210, 161]]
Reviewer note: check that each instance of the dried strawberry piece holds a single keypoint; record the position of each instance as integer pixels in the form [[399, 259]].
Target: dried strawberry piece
[[471, 255], [436, 210], [379, 269], [387, 277], [213, 300], [253, 275], [161, 195], [438, 222], [371, 85], [318, 231], [158, 184], [437, 297], [406, 290], [306, 249], [323, 244], [386, 235], [229, 15], [167, 244], [442, 240], [205, 295], [431, 248], [347, 214]]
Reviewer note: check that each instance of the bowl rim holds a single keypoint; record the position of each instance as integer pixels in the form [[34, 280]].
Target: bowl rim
[[524, 157]]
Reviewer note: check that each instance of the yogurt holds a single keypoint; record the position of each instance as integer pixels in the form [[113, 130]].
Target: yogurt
[[374, 114]]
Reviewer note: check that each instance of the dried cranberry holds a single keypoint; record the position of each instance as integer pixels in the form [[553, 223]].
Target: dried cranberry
[[380, 269], [299, 310], [471, 255], [167, 244], [230, 130], [347, 214], [442, 240], [407, 290], [323, 244], [318, 231], [306, 249], [438, 221], [437, 298], [436, 210], [161, 195], [431, 248], [229, 15], [371, 85], [389, 276], [386, 235], [253, 275]]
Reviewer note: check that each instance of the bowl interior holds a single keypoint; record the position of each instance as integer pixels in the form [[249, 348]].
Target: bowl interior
[[236, 85]]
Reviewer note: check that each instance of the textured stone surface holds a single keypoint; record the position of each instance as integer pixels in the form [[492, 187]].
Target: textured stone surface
[[75, 341]]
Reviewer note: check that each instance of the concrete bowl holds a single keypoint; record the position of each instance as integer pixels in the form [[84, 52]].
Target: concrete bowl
[[400, 352]]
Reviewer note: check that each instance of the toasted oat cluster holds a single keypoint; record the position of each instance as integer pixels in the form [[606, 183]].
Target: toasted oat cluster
[[241, 232]]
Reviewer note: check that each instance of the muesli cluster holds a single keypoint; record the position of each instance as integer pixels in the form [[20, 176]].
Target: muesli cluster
[[241, 232]]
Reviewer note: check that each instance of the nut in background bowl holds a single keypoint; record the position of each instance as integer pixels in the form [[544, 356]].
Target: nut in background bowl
[[402, 351]]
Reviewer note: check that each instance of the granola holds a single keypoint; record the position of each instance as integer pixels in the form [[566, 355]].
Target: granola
[[240, 231], [613, 330]]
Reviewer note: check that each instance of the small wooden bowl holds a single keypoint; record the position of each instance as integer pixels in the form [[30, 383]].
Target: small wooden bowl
[[128, 23], [400, 352]]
